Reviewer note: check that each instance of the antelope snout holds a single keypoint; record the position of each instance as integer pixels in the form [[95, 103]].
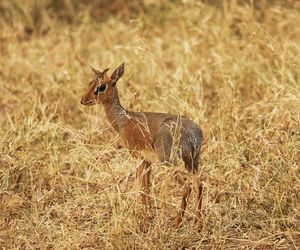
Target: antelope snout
[[87, 101], [82, 101]]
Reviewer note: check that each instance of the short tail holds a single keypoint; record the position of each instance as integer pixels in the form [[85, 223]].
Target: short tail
[[195, 158]]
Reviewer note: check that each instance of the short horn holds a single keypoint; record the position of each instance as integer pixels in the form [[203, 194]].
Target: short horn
[[105, 71], [97, 72]]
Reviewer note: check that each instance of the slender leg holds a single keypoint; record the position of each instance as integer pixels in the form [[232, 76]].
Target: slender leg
[[147, 181], [186, 191], [186, 179], [143, 174], [199, 189]]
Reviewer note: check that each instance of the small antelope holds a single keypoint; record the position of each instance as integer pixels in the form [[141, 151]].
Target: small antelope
[[142, 132]]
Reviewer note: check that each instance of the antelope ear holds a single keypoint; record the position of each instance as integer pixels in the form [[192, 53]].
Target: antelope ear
[[97, 72], [117, 74]]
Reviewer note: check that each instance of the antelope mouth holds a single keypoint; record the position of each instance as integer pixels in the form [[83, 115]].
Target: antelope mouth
[[89, 103]]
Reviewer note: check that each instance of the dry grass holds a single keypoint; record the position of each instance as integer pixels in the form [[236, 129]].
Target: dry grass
[[234, 69]]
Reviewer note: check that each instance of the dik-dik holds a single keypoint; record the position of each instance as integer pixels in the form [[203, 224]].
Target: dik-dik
[[144, 132]]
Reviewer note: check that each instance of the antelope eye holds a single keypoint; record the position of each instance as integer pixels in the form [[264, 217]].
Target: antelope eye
[[100, 88]]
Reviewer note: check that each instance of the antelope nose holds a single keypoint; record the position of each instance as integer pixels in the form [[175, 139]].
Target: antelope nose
[[81, 102]]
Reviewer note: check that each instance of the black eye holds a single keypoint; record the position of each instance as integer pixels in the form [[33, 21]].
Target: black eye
[[100, 88]]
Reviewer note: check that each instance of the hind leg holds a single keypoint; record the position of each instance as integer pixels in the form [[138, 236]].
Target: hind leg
[[199, 190], [191, 164], [187, 180], [197, 181], [163, 143], [186, 191], [198, 186]]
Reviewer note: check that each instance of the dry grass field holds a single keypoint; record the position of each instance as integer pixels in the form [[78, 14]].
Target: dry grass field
[[66, 181]]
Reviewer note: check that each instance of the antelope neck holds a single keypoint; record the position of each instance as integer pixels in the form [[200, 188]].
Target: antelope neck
[[115, 112]]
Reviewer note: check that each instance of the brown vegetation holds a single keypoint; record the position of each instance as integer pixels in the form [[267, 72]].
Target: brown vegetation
[[65, 182]]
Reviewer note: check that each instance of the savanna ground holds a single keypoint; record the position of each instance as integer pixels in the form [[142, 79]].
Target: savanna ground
[[232, 67]]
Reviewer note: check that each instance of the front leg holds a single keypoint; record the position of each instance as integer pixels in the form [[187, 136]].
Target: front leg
[[143, 174]]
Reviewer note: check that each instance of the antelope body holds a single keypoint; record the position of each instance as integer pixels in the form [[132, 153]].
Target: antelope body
[[160, 133]]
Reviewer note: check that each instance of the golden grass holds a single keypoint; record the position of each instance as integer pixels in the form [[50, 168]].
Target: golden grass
[[233, 69]]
